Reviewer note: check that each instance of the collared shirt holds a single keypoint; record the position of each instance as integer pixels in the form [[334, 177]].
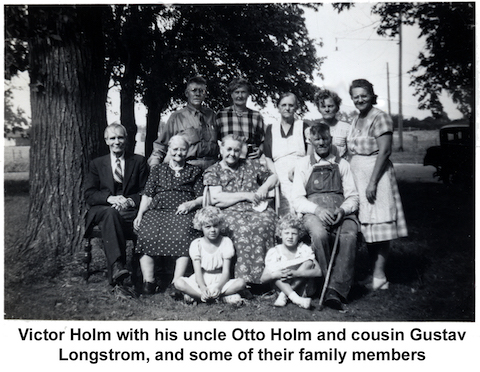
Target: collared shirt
[[113, 162], [303, 171], [196, 125], [248, 125], [339, 133]]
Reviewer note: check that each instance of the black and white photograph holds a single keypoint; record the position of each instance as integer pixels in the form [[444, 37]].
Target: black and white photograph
[[309, 166]]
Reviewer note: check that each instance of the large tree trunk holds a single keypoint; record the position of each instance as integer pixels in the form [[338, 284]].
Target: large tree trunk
[[127, 107], [68, 95], [132, 42], [155, 105], [153, 122]]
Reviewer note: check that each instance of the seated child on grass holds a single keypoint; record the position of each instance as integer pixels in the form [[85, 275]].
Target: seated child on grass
[[291, 263], [211, 257]]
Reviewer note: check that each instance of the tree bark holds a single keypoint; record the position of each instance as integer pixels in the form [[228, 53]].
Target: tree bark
[[127, 107], [68, 95], [154, 111]]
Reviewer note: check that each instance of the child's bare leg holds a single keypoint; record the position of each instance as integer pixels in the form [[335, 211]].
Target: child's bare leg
[[285, 287], [147, 266], [184, 287], [297, 284], [235, 287], [180, 268]]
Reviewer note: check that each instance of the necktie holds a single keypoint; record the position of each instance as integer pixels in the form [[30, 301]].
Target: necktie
[[201, 118], [117, 175]]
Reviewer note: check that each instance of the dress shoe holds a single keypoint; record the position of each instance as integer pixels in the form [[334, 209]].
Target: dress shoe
[[119, 273], [149, 288], [333, 300]]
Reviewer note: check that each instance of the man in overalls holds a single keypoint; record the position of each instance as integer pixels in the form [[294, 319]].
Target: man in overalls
[[324, 192]]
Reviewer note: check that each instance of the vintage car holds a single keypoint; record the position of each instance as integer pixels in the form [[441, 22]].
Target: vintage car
[[454, 157]]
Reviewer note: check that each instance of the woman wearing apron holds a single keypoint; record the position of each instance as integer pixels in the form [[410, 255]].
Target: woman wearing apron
[[286, 142], [370, 145]]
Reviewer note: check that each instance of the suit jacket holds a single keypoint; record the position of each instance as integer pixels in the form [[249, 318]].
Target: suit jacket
[[100, 184]]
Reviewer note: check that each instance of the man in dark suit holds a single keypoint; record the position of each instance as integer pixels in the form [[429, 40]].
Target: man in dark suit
[[112, 191]]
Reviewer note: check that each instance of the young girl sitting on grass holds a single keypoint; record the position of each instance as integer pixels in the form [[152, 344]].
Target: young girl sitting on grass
[[291, 263], [211, 256]]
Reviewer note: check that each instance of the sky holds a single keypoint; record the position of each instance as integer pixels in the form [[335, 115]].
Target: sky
[[352, 49]]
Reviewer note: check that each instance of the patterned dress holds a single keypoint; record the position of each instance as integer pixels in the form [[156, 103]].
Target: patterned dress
[[162, 232], [383, 220], [252, 232]]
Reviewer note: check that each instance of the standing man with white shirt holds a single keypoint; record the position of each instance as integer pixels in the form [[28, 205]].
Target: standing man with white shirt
[[112, 191], [325, 193]]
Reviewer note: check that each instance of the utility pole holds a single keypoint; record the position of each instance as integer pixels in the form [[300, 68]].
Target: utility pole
[[400, 114], [388, 92]]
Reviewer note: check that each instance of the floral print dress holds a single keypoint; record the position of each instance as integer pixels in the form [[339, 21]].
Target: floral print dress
[[252, 232]]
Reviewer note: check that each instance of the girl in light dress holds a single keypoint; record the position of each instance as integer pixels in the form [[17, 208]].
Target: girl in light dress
[[211, 256], [290, 264]]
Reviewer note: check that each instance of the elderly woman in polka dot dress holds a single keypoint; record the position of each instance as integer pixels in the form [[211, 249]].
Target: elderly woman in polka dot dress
[[164, 222]]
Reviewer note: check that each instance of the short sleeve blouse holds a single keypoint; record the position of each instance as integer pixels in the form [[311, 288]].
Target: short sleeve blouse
[[364, 141], [211, 261], [274, 257]]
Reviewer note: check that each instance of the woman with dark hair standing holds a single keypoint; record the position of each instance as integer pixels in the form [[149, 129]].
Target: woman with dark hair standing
[[370, 145]]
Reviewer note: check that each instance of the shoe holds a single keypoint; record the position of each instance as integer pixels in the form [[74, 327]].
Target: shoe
[[379, 283], [234, 299], [119, 273], [281, 300], [246, 294], [333, 300], [304, 303], [188, 299], [149, 288]]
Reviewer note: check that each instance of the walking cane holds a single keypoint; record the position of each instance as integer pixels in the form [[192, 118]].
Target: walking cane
[[330, 266]]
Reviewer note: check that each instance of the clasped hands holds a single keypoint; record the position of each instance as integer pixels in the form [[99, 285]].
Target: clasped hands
[[329, 218], [287, 273], [120, 202], [210, 293]]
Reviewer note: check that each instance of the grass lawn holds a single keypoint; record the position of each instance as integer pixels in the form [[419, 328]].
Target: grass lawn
[[415, 145], [431, 274]]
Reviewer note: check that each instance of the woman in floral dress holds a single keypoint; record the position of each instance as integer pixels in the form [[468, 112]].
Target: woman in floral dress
[[240, 188]]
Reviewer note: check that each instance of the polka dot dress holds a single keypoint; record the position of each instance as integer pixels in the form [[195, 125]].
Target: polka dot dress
[[162, 232]]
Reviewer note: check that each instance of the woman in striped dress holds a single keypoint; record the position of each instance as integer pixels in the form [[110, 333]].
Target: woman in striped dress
[[370, 145]]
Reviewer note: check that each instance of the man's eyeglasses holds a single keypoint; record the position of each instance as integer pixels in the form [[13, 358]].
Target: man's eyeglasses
[[198, 90]]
